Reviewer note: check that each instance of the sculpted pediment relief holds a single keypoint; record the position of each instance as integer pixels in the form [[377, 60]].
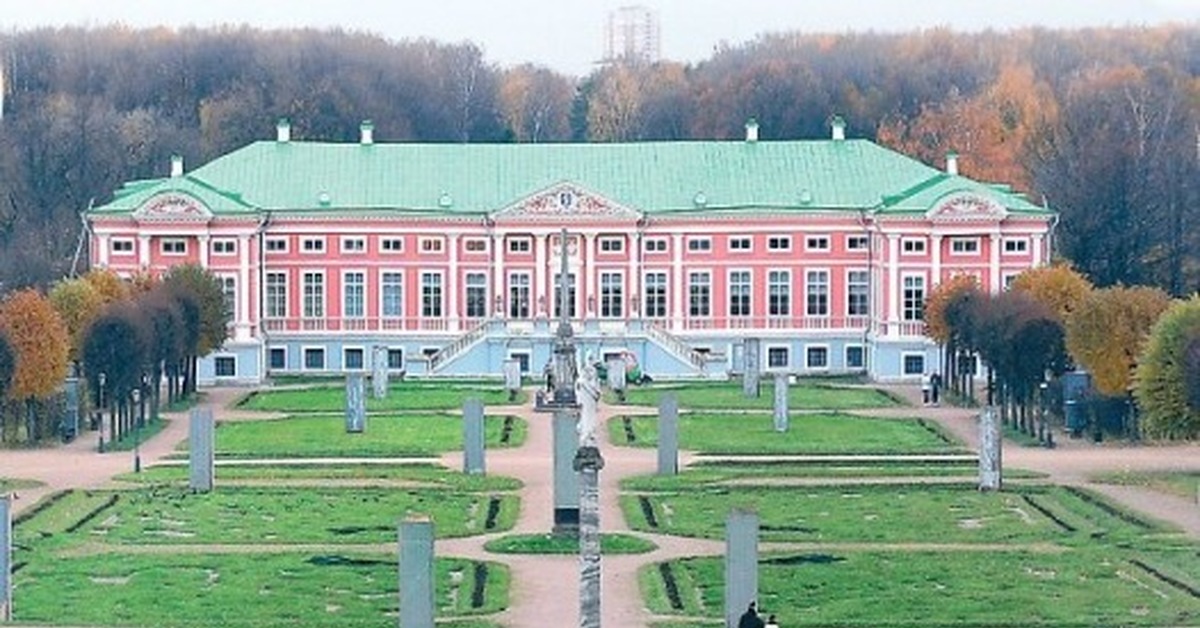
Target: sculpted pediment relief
[[565, 200], [966, 207], [172, 206]]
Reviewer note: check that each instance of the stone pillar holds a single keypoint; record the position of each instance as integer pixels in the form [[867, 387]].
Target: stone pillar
[[201, 445], [994, 282], [416, 573], [935, 269], [566, 481], [781, 402], [990, 441], [512, 378], [893, 284], [741, 563], [379, 371], [452, 284], [616, 377], [668, 434], [542, 298], [356, 404], [679, 293], [103, 246], [751, 356], [143, 251], [6, 546], [473, 437]]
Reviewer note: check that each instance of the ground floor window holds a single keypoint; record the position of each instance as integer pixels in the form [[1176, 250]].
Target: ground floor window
[[522, 359], [856, 358], [816, 357], [314, 359], [914, 363], [226, 366], [352, 358], [778, 357], [395, 359], [277, 358]]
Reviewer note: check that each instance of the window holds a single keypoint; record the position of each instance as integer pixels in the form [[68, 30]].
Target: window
[[1013, 246], [123, 246], [779, 293], [391, 245], [229, 294], [314, 358], [314, 296], [699, 295], [816, 293], [612, 288], [964, 246], [856, 357], [431, 294], [354, 294], [570, 295], [778, 358], [477, 295], [779, 243], [431, 245], [391, 294], [277, 245], [816, 357], [225, 366], [699, 245], [739, 293], [277, 295], [655, 288], [395, 359], [519, 245], [352, 358], [1009, 278], [312, 245], [475, 245], [173, 246], [914, 298], [611, 245], [277, 358], [224, 247], [655, 245], [816, 243], [858, 293], [518, 295], [913, 363], [857, 242], [913, 246], [740, 244], [354, 245]]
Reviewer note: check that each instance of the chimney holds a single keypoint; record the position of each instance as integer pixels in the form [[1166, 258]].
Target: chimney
[[952, 163], [366, 132], [839, 128], [751, 130], [176, 166], [283, 131]]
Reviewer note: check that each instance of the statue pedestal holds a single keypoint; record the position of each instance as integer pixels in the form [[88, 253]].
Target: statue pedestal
[[566, 480]]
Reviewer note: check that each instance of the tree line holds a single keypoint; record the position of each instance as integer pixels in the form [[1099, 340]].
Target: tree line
[[1101, 125]]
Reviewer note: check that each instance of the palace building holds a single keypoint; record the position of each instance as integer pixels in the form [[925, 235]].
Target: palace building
[[677, 253]]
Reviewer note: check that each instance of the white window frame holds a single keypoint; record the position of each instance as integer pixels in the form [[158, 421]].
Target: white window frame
[[788, 286], [787, 351], [225, 356], [403, 358], [324, 294], [846, 356], [808, 362], [231, 294], [1006, 280], [818, 243], [386, 242], [846, 283], [277, 245], [353, 245], [729, 293], [970, 245], [707, 272], [828, 293], [162, 246], [267, 299], [304, 358], [1020, 246], [851, 238], [919, 244], [223, 246], [520, 245], [905, 355], [403, 293], [526, 303], [666, 293], [309, 245], [480, 243], [654, 245], [610, 245], [284, 349], [441, 286], [487, 293], [779, 244], [740, 239], [699, 244], [366, 279], [622, 301], [431, 245], [346, 349], [112, 246], [904, 277]]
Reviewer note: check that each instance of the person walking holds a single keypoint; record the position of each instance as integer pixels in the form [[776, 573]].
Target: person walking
[[935, 387], [750, 618], [926, 387], [771, 622]]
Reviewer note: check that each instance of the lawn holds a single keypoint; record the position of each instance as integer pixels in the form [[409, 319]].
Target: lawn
[[566, 544], [728, 396], [1185, 484], [427, 475], [136, 436], [891, 514], [167, 515], [12, 484], [424, 395], [920, 589], [288, 589], [715, 475], [385, 436], [814, 433]]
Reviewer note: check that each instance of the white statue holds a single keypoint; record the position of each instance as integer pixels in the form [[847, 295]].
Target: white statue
[[587, 391]]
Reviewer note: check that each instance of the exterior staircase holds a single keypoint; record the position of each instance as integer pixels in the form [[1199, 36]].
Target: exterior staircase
[[681, 350], [463, 343]]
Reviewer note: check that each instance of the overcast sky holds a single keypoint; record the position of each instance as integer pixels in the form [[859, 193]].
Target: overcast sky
[[568, 34]]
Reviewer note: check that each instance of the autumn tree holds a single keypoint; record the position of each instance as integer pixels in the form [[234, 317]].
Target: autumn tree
[[535, 103], [77, 302], [1058, 286], [114, 353], [107, 285], [1107, 332], [1161, 385], [41, 344], [8, 367], [940, 306], [213, 317], [1020, 338]]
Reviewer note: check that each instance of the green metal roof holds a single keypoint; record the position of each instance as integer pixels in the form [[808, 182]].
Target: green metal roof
[[654, 177]]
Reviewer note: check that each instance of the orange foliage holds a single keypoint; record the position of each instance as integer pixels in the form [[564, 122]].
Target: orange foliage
[[108, 284], [1059, 286], [936, 326], [39, 339]]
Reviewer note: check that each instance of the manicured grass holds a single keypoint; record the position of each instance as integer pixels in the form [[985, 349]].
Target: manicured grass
[[149, 430], [56, 517], [728, 395], [12, 484], [292, 589], [385, 436], [751, 434], [423, 474], [239, 515], [710, 475], [917, 589], [891, 514], [1184, 484], [565, 544], [425, 395]]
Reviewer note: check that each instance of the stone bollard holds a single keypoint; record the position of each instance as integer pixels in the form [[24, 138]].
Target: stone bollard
[[512, 378], [990, 443], [6, 547], [201, 454], [668, 434], [566, 480], [356, 404], [781, 403], [379, 372], [741, 563], [473, 437], [751, 361], [416, 573]]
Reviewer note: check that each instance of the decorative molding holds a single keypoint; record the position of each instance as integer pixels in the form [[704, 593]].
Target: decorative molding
[[565, 200], [964, 206], [172, 206]]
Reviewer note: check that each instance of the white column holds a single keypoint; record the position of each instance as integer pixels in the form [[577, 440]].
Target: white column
[[893, 287], [203, 243], [455, 316], [678, 293], [541, 304], [243, 286], [144, 251], [589, 269], [936, 270], [994, 284], [635, 276], [1037, 245], [498, 275], [104, 246]]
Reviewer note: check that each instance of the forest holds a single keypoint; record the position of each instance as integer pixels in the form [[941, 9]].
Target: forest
[[1101, 125]]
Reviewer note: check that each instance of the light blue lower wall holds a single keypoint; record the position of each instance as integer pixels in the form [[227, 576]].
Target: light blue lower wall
[[247, 362]]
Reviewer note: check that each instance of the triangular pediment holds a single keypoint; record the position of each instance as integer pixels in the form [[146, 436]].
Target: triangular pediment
[[966, 207], [566, 200], [173, 206]]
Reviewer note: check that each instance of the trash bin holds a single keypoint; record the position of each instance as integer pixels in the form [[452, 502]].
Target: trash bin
[[1075, 414]]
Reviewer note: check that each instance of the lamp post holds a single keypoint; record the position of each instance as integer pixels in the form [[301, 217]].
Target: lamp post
[[1043, 433], [101, 379], [137, 432]]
